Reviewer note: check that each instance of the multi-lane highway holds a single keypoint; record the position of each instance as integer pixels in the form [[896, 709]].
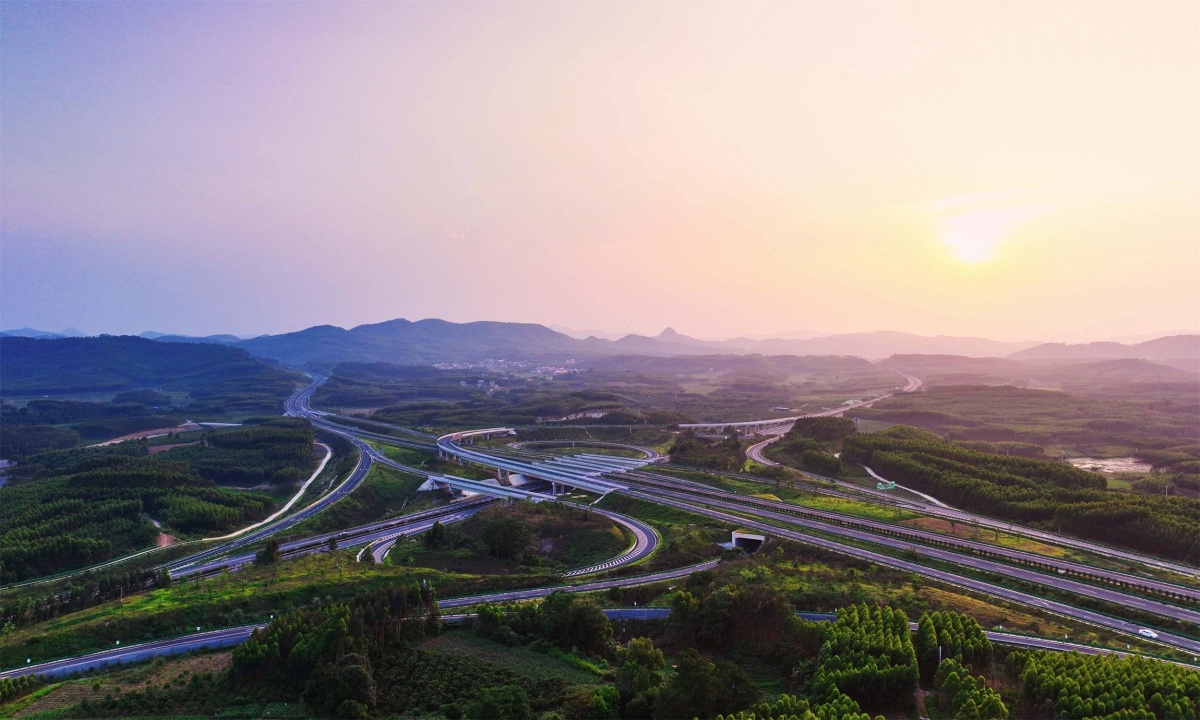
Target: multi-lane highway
[[348, 538], [648, 453], [1023, 598], [832, 487], [781, 513], [236, 635], [687, 489]]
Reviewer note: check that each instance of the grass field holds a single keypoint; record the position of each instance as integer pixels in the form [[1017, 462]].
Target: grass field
[[686, 538], [519, 659], [562, 536]]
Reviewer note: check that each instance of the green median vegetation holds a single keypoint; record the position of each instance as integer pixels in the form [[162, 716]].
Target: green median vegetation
[[527, 537], [727, 454]]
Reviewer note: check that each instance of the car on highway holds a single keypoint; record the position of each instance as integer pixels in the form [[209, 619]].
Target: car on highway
[[1147, 632]]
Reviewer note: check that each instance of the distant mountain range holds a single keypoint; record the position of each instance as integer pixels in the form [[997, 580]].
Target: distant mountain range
[[41, 334], [1175, 347], [423, 342], [218, 339]]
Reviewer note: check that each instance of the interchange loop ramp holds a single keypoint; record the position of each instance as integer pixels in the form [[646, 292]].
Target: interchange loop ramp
[[582, 472]]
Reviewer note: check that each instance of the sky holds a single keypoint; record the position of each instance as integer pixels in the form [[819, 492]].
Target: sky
[[1001, 169]]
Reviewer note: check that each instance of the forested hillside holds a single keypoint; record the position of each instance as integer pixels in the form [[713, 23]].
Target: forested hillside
[[274, 451], [114, 363], [124, 385], [75, 507], [1046, 418], [1042, 493], [104, 507]]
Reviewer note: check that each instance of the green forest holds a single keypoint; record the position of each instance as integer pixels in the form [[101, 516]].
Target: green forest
[[71, 508], [727, 454], [105, 507], [1043, 493], [265, 451], [1074, 686]]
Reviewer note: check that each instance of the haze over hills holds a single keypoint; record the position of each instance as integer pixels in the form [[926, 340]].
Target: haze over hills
[[424, 341], [34, 333], [1176, 347], [429, 341]]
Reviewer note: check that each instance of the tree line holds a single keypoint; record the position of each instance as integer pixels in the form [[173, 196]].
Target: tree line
[[1074, 686], [102, 507], [1041, 493], [945, 635]]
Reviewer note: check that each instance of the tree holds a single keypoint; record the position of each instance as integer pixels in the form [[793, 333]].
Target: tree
[[269, 554], [691, 691], [332, 684], [588, 628], [592, 703], [506, 538], [488, 619], [506, 702], [640, 668], [435, 538]]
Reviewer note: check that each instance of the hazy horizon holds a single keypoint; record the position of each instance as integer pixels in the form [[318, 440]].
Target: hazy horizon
[[1015, 171]]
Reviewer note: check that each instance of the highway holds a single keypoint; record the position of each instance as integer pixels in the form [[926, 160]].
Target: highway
[[351, 537], [296, 406], [936, 508], [1053, 564], [850, 491], [449, 444], [604, 474], [772, 512], [556, 470], [236, 635], [779, 426], [382, 543], [1052, 606], [649, 453], [645, 538], [288, 506], [645, 542]]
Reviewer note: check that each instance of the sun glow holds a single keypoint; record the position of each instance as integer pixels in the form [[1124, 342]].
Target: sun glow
[[973, 237]]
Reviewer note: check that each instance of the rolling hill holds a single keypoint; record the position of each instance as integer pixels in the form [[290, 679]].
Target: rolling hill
[[108, 363]]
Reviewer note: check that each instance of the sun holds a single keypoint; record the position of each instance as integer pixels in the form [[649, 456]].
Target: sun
[[973, 237]]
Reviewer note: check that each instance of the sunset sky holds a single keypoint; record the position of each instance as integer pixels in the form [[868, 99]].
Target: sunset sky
[[1010, 170]]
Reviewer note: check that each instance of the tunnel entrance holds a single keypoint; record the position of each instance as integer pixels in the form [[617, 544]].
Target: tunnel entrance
[[747, 541]]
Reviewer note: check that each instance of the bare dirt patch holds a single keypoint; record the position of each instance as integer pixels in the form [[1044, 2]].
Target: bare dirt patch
[[163, 540], [186, 427], [163, 448]]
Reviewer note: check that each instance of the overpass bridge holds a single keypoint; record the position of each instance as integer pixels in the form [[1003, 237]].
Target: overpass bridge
[[582, 472], [778, 426]]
